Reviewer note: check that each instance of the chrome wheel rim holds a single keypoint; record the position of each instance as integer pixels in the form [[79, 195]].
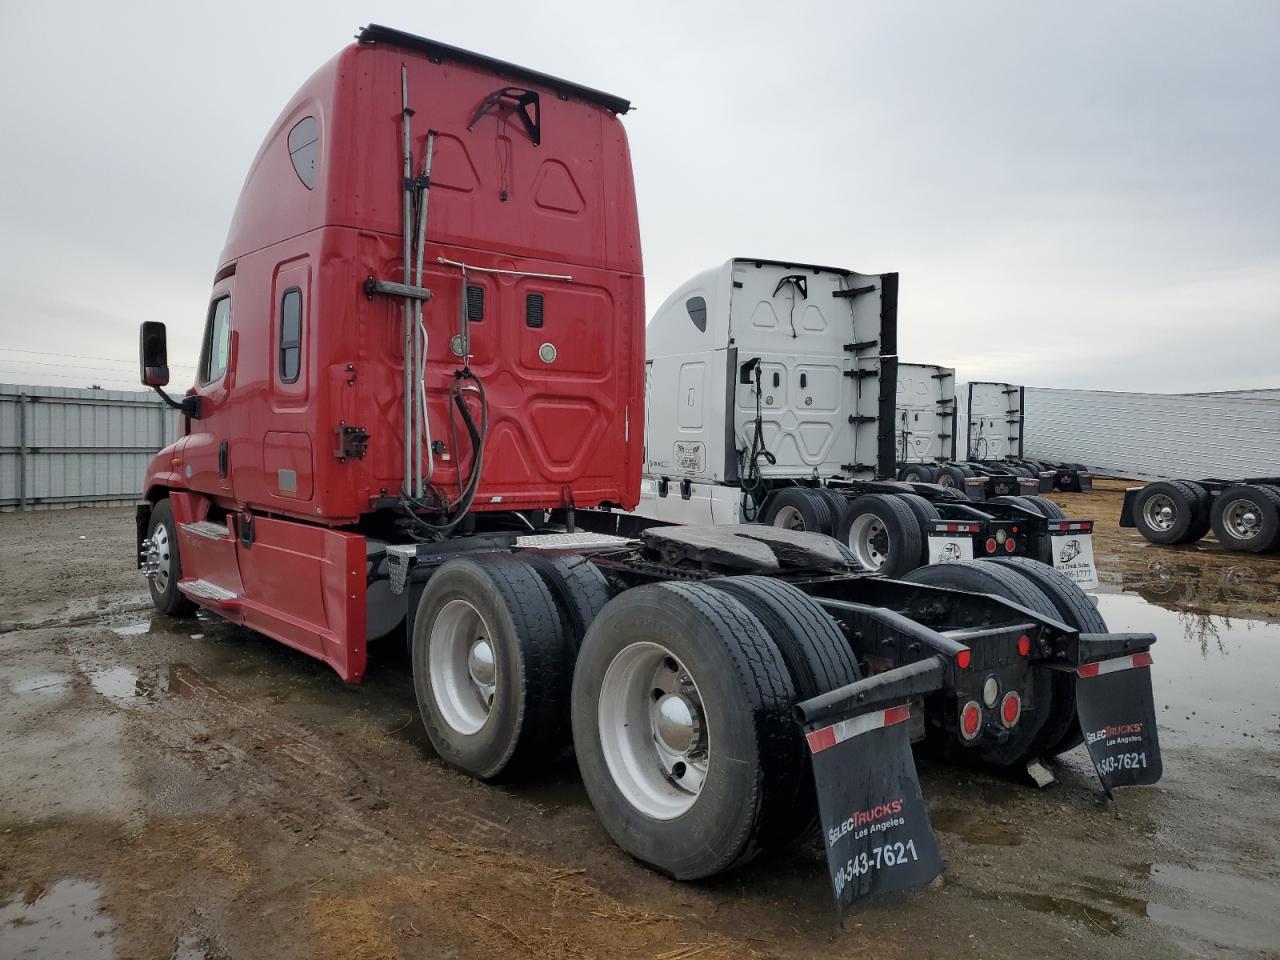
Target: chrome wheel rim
[[1243, 519], [653, 730], [1160, 512], [157, 557], [789, 519], [869, 541], [462, 664]]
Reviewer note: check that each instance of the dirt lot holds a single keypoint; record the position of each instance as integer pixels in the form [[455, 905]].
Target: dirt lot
[[186, 789]]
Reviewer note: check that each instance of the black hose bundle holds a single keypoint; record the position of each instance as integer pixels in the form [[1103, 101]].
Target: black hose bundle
[[467, 492], [751, 481]]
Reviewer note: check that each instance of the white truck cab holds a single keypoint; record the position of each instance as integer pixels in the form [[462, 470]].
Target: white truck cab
[[764, 370]]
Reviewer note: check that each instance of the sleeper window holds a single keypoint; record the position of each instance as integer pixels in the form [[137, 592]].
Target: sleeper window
[[304, 149], [290, 335]]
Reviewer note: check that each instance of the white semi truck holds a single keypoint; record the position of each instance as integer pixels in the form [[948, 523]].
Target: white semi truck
[[995, 426], [772, 396]]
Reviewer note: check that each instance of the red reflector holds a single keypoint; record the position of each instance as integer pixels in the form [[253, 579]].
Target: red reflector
[[1010, 545], [820, 740], [970, 720], [991, 545], [1142, 659], [1015, 529], [897, 714], [964, 658], [1088, 670], [1010, 708], [1024, 645]]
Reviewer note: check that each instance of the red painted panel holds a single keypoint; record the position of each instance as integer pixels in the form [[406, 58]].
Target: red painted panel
[[305, 586]]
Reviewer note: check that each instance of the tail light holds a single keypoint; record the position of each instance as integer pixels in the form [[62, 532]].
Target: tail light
[[992, 546], [1010, 545], [990, 691], [970, 720], [1010, 708], [1024, 645], [964, 658]]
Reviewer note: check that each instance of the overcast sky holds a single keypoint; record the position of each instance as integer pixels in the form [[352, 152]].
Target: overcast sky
[[1075, 194]]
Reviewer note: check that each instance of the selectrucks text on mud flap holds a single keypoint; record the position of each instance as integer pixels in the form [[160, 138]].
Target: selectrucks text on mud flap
[[1118, 717], [875, 824]]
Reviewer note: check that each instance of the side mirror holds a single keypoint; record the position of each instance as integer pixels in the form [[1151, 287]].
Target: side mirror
[[153, 354]]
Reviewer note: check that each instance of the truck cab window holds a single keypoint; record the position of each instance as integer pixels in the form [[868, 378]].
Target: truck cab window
[[217, 344], [290, 335]]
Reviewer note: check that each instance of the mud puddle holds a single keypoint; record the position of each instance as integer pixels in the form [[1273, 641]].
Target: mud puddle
[[1222, 909], [1215, 678], [64, 921]]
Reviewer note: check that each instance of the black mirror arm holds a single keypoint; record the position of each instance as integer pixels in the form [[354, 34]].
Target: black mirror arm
[[187, 406]]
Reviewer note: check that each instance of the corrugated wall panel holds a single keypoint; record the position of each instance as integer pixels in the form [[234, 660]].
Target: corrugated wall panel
[[1154, 434], [82, 446]]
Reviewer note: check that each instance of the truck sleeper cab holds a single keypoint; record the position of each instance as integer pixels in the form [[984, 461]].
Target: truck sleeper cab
[[422, 358]]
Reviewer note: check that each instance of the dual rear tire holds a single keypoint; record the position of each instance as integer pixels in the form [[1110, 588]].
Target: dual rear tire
[[679, 703], [811, 509]]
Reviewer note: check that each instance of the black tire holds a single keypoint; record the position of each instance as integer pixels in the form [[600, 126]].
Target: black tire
[[745, 693], [1200, 524], [1075, 609], [1189, 517], [526, 723], [918, 473], [924, 512], [578, 586], [800, 505], [1047, 507], [818, 658], [1258, 500], [170, 599], [950, 475], [904, 541], [836, 503], [1030, 739]]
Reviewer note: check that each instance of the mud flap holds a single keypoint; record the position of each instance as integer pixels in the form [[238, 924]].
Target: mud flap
[[874, 822], [1118, 718]]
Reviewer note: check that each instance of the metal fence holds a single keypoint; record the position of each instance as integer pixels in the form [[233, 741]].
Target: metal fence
[[64, 447], [1156, 435]]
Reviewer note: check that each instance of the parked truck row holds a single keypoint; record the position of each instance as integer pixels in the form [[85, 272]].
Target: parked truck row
[[424, 366], [774, 395]]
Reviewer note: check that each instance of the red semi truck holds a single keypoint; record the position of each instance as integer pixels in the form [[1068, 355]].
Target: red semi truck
[[423, 352]]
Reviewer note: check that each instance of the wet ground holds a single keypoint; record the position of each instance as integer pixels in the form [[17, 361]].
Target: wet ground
[[181, 788]]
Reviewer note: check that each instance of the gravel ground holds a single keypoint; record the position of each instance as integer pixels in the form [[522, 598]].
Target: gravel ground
[[186, 789]]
